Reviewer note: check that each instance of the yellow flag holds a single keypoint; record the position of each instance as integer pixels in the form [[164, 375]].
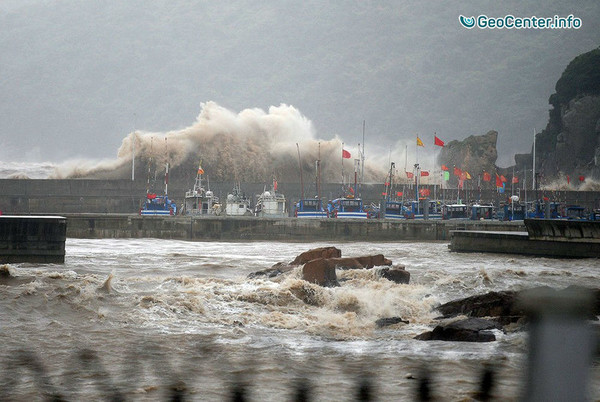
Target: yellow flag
[[468, 175], [419, 142]]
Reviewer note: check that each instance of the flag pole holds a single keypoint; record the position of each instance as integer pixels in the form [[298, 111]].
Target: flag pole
[[533, 161]]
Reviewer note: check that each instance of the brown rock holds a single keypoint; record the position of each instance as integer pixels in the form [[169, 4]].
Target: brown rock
[[370, 261], [322, 252], [345, 263], [321, 272]]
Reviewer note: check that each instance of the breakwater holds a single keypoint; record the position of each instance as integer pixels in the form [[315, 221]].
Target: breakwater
[[38, 239], [252, 228], [70, 196], [544, 237]]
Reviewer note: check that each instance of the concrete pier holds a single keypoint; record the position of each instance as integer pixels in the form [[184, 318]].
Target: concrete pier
[[285, 229], [32, 239], [544, 237]]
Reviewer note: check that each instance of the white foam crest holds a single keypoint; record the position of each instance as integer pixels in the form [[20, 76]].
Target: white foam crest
[[247, 145]]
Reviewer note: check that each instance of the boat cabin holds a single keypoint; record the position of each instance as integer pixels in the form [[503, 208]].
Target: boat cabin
[[482, 212], [310, 208], [454, 211]]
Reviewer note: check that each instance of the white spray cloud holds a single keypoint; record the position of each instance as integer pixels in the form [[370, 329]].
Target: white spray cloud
[[249, 146]]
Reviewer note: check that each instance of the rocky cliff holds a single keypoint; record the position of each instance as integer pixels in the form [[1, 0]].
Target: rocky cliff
[[570, 143], [475, 154]]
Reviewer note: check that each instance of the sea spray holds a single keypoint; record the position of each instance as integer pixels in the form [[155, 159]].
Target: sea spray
[[249, 146]]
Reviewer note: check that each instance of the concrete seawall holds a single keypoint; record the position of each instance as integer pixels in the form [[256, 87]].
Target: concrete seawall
[[251, 228], [32, 239], [544, 237]]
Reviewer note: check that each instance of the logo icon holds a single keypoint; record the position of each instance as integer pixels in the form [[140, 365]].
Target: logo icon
[[467, 22]]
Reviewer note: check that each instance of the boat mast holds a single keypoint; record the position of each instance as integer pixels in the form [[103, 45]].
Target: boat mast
[[149, 167], [389, 185], [301, 177], [319, 174], [533, 161], [343, 168], [362, 173], [166, 166], [133, 156]]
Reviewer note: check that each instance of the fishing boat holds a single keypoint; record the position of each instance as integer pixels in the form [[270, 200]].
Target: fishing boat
[[347, 207], [237, 203], [201, 201], [482, 212], [271, 204], [350, 205], [455, 211], [310, 207], [393, 208], [158, 205]]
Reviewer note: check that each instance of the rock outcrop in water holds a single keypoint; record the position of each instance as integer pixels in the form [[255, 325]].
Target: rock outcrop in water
[[320, 265]]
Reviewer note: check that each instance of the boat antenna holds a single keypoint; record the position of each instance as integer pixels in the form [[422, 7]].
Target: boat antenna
[[342, 166], [133, 150], [301, 177], [149, 167], [533, 161], [319, 174], [166, 166], [362, 173]]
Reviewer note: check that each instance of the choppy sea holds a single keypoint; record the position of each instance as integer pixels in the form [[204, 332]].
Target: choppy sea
[[138, 317]]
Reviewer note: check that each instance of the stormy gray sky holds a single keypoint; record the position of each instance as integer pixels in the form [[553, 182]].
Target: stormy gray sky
[[77, 76]]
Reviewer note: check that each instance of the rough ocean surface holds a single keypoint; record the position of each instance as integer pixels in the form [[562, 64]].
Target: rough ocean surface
[[139, 316]]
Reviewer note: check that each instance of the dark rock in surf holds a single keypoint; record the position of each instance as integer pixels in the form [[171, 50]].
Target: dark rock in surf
[[395, 274], [467, 330], [492, 304], [275, 270], [385, 322]]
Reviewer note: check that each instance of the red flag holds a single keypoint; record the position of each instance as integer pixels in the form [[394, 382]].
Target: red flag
[[487, 176], [384, 194], [410, 175], [581, 178], [503, 178], [498, 181], [424, 192], [346, 154], [351, 190], [444, 168], [568, 180], [437, 141], [399, 194], [274, 184], [515, 179], [457, 172], [424, 173]]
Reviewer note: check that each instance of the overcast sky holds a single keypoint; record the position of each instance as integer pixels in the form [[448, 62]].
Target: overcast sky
[[77, 76]]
